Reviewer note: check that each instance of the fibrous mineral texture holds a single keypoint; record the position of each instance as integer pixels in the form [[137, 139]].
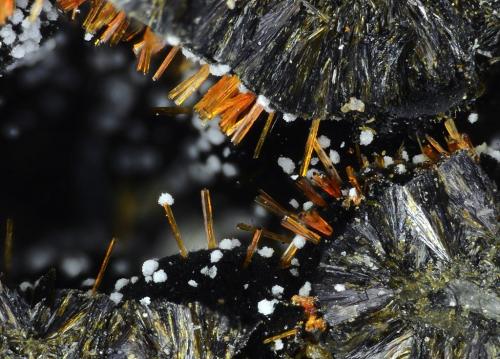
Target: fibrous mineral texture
[[78, 325], [416, 273], [407, 58]]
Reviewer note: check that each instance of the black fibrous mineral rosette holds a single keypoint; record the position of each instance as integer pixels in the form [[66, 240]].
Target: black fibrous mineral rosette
[[416, 272], [318, 59]]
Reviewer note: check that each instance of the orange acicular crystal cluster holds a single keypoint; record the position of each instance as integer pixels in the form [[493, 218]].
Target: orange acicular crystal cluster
[[6, 10], [314, 321]]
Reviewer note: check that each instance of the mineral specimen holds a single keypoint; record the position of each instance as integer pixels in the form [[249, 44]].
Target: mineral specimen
[[413, 268], [76, 324], [312, 58], [415, 274]]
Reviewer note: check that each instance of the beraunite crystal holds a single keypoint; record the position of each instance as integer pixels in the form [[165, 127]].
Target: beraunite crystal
[[418, 269], [312, 58], [75, 324]]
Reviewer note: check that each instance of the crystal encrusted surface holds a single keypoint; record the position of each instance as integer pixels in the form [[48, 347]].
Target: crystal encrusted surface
[[416, 273], [310, 57], [79, 325]]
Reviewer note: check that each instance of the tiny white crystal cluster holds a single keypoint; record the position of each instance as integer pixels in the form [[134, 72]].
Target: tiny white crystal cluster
[[23, 36]]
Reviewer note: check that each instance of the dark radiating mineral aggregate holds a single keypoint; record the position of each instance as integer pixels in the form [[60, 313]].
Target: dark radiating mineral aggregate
[[407, 58], [189, 315], [79, 325], [416, 273]]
